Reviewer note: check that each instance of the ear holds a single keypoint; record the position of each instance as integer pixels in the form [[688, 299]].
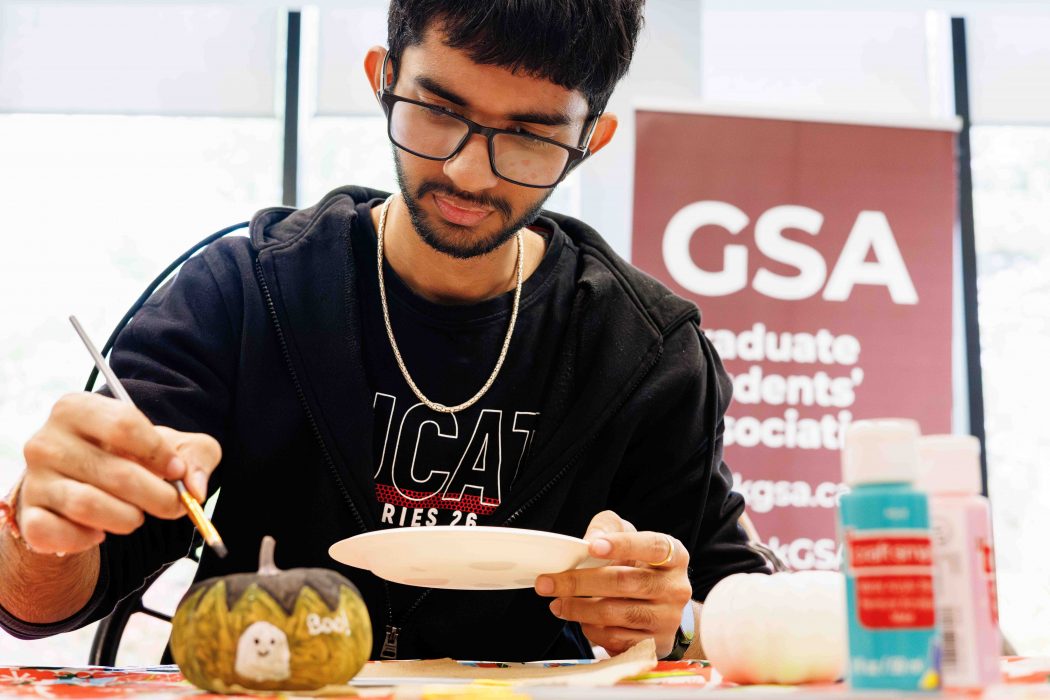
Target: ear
[[603, 131], [374, 66]]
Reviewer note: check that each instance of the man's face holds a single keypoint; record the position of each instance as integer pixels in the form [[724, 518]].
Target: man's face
[[459, 206]]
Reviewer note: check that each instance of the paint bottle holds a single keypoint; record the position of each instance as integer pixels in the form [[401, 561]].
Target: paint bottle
[[963, 560], [887, 558]]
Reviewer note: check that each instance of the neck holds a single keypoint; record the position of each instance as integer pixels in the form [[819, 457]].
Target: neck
[[444, 279]]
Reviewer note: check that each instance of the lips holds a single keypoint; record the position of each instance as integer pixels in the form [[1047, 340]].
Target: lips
[[456, 213]]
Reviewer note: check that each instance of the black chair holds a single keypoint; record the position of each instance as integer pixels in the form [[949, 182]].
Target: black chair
[[106, 642]]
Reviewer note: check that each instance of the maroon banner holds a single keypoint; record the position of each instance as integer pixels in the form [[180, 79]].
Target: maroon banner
[[820, 255]]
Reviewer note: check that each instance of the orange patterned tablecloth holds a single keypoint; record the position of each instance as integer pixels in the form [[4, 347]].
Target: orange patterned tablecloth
[[93, 682], [1024, 679]]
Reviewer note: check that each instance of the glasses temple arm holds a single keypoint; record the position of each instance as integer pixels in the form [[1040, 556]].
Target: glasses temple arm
[[588, 132], [383, 85]]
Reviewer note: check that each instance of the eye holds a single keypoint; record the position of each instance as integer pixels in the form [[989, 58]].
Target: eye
[[256, 640], [439, 107], [273, 641], [524, 132], [436, 114]]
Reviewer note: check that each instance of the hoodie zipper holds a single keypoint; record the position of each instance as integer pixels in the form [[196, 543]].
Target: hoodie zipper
[[549, 485], [392, 632], [302, 396], [390, 638]]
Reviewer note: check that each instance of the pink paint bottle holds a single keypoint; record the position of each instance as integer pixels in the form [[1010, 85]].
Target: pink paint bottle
[[963, 559]]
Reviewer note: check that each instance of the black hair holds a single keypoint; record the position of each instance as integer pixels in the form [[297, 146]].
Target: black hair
[[583, 45]]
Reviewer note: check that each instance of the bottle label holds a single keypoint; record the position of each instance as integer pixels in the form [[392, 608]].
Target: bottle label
[[964, 578], [893, 571], [988, 568]]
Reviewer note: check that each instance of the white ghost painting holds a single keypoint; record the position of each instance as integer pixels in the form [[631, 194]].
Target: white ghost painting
[[263, 654]]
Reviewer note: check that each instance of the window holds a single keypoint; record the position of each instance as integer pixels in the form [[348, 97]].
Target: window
[[96, 205], [1011, 167], [100, 193]]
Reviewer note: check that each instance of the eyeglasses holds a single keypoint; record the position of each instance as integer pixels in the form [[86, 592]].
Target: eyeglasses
[[434, 133]]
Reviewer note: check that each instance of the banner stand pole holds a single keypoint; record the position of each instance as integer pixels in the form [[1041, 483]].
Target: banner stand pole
[[968, 246]]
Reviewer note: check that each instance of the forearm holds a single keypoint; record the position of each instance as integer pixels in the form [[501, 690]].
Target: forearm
[[43, 588]]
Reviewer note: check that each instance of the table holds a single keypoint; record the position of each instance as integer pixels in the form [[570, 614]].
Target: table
[[1024, 679]]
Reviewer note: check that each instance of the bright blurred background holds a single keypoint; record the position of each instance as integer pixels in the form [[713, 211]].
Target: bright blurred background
[[129, 130]]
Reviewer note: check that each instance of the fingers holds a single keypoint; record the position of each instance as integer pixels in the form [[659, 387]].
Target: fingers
[[201, 454], [606, 521], [83, 504], [652, 548], [639, 595], [617, 581], [99, 465], [48, 533], [118, 427], [54, 458], [634, 603], [615, 640], [617, 612]]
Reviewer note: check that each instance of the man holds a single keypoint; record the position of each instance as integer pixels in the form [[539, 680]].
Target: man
[[449, 355]]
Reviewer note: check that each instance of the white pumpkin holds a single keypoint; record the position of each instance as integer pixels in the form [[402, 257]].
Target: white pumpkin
[[783, 628]]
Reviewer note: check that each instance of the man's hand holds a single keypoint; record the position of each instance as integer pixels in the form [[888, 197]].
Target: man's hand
[[98, 465], [631, 598]]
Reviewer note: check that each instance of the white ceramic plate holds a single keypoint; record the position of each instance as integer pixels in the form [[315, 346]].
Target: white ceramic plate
[[465, 558]]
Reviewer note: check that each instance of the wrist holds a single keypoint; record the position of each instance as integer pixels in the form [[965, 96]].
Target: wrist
[[696, 649], [9, 513], [40, 588], [686, 644]]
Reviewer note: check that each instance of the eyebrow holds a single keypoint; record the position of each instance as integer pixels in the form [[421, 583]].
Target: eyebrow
[[544, 118]]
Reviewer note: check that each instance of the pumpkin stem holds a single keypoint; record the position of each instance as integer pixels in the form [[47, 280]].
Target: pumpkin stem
[[266, 565]]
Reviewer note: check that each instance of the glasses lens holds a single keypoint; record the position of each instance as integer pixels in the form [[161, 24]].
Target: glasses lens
[[528, 160], [426, 131]]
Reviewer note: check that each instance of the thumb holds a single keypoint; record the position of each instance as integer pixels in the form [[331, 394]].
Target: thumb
[[605, 522], [201, 453]]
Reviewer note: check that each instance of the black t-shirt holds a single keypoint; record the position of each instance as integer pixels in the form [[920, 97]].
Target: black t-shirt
[[454, 469]]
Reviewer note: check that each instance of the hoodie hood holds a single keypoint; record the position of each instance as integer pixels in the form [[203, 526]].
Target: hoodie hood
[[276, 227]]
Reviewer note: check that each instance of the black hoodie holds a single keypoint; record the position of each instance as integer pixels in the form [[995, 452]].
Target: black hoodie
[[256, 342]]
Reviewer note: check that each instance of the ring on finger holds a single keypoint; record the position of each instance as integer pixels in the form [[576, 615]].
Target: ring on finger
[[668, 558]]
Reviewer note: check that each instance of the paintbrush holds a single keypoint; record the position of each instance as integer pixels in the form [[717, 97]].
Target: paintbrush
[[200, 520]]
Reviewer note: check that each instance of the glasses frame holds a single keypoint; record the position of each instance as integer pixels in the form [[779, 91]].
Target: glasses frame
[[387, 98]]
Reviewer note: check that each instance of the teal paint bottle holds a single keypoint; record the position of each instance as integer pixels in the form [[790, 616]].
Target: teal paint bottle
[[887, 558]]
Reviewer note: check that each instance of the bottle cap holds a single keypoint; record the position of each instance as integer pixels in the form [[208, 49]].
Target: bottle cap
[[950, 464], [881, 451]]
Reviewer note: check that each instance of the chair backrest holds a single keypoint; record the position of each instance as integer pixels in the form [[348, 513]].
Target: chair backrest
[[106, 642], [153, 286]]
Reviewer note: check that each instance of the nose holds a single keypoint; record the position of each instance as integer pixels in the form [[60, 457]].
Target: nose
[[470, 169]]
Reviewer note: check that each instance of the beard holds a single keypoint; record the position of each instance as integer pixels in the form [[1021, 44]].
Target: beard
[[461, 242]]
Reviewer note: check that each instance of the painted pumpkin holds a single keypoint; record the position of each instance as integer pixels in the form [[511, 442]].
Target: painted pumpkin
[[788, 627], [299, 629]]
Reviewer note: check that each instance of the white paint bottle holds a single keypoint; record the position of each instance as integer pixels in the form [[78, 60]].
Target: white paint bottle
[[963, 559]]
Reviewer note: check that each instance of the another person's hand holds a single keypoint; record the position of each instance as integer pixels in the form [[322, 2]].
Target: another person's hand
[[98, 465], [641, 593]]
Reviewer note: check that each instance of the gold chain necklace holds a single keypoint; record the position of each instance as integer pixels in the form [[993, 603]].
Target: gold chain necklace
[[433, 405]]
